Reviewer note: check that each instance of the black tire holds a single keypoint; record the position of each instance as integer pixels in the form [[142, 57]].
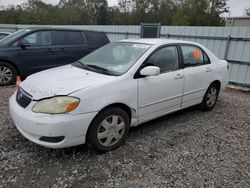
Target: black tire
[[207, 103], [12, 72], [96, 128]]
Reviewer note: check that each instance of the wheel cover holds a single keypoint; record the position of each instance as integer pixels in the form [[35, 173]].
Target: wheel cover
[[111, 130], [5, 74], [211, 96]]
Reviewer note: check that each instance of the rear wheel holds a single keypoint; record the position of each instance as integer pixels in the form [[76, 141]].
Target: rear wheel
[[8, 74], [210, 98], [108, 130]]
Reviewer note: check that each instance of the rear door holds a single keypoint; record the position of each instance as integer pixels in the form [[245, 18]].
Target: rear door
[[70, 46], [38, 52], [198, 72]]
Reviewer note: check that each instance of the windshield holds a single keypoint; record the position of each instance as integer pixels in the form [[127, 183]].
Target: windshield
[[12, 36], [115, 58]]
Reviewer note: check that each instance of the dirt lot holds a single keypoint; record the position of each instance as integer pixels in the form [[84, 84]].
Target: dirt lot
[[185, 149]]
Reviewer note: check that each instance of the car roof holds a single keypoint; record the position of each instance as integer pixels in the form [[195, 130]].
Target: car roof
[[154, 41], [6, 33], [59, 28]]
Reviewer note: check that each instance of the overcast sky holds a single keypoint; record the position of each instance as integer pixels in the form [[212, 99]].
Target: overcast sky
[[236, 6]]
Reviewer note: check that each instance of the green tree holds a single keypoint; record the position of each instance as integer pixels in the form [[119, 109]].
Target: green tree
[[216, 8], [167, 12], [200, 12], [98, 10]]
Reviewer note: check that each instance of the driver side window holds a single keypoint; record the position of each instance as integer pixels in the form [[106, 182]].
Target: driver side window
[[165, 58], [40, 38]]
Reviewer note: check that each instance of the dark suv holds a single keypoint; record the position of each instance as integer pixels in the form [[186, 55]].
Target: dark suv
[[35, 49]]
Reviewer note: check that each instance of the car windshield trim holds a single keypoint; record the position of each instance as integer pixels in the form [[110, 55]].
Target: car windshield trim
[[13, 36], [114, 58]]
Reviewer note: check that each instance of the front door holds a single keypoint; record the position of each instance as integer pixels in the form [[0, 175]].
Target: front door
[[70, 46], [163, 93], [37, 52]]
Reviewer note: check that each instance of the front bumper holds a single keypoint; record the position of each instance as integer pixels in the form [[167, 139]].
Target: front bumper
[[33, 126]]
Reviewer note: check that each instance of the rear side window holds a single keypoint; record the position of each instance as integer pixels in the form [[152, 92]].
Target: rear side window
[[96, 39], [193, 56], [68, 37]]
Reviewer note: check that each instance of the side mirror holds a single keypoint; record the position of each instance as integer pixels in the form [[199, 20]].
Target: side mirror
[[23, 44], [150, 71]]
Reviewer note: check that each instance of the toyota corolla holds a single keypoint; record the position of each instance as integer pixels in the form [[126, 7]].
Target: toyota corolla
[[98, 98]]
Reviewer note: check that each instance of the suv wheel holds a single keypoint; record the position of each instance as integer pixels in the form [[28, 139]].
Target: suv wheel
[[8, 74]]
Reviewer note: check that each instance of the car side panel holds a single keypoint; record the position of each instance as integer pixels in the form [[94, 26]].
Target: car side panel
[[197, 80], [66, 54], [221, 72], [122, 90], [37, 58], [160, 93]]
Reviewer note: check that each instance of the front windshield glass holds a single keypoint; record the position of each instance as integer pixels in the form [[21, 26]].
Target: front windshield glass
[[12, 36], [115, 58]]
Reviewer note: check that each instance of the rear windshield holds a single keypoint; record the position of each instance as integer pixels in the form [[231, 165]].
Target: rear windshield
[[96, 39]]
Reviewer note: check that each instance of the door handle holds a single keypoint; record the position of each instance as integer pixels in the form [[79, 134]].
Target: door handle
[[50, 50], [178, 76], [62, 50], [208, 70]]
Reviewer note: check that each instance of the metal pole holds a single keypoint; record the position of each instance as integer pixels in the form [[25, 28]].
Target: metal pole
[[126, 35], [227, 46]]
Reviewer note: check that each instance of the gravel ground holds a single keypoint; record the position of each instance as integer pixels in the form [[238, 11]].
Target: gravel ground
[[185, 149]]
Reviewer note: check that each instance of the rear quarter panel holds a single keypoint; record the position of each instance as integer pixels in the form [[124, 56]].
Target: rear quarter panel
[[220, 68], [221, 72]]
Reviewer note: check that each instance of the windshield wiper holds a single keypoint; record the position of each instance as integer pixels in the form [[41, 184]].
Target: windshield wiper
[[80, 65], [103, 70], [97, 67], [94, 68]]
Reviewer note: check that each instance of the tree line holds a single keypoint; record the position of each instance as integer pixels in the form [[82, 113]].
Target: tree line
[[128, 12]]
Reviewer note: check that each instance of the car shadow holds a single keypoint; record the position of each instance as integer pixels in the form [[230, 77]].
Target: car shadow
[[140, 129], [85, 150], [159, 121]]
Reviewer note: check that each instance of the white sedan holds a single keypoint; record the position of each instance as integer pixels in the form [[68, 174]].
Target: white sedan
[[96, 99]]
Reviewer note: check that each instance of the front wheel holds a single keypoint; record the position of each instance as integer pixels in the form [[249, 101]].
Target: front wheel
[[210, 97], [109, 129], [8, 74]]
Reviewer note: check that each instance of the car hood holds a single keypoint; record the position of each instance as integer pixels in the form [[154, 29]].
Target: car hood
[[61, 81]]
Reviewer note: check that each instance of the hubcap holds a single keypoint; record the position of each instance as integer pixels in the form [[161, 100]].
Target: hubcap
[[211, 96], [111, 130], [5, 74]]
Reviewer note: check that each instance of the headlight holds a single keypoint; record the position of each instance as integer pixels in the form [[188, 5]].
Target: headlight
[[56, 105]]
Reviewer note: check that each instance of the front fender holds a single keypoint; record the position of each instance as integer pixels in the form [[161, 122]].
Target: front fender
[[94, 99]]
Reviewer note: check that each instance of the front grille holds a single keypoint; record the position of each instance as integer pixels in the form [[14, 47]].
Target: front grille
[[23, 98]]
